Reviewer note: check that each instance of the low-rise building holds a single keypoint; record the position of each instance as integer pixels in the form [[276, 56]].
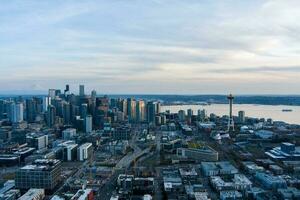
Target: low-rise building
[[172, 181], [69, 133], [276, 169], [9, 160], [127, 184], [254, 192], [286, 151], [241, 182], [33, 194], [238, 182], [84, 194], [289, 193], [42, 173], [264, 134], [199, 154], [218, 168], [251, 167], [121, 133], [37, 140], [270, 181], [230, 194]]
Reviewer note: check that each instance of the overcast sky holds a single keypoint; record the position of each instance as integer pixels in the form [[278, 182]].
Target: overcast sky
[[151, 46]]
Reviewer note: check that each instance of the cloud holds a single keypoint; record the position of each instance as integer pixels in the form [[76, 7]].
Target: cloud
[[150, 45], [275, 69]]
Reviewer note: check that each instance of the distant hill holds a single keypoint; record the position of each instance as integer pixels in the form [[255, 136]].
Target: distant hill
[[192, 99], [239, 99]]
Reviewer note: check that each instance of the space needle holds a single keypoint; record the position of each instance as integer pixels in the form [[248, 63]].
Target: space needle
[[230, 97]]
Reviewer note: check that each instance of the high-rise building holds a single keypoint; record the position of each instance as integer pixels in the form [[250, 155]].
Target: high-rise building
[[52, 93], [46, 103], [158, 107], [88, 123], [190, 113], [75, 111], [151, 111], [140, 111], [131, 109], [83, 110], [70, 152], [2, 108], [51, 115], [113, 103], [81, 90], [123, 106], [42, 173], [31, 110], [19, 112], [57, 92], [201, 114], [67, 90], [16, 112], [181, 115], [94, 95], [85, 151], [67, 113], [241, 116]]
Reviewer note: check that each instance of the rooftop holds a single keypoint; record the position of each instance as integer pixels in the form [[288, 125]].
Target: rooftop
[[30, 194], [42, 164], [86, 145], [81, 194]]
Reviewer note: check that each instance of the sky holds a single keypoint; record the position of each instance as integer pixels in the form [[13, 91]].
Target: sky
[[151, 46]]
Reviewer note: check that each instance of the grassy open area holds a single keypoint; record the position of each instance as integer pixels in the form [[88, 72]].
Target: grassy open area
[[194, 145]]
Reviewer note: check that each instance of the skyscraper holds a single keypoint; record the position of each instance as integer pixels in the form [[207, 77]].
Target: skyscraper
[[19, 112], [181, 115], [84, 152], [31, 110], [140, 111], [201, 114], [123, 106], [151, 111], [131, 109], [51, 93], [190, 113], [158, 107], [51, 115], [16, 112], [88, 123], [94, 95], [67, 113], [2, 108], [81, 90], [83, 110], [46, 103], [67, 90], [241, 116]]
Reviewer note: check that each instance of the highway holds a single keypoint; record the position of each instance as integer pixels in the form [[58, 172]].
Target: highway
[[125, 162], [107, 190]]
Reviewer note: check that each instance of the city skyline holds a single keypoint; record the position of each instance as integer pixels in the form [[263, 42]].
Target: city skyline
[[150, 47]]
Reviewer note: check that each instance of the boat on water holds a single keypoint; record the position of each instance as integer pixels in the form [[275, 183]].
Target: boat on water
[[287, 110]]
